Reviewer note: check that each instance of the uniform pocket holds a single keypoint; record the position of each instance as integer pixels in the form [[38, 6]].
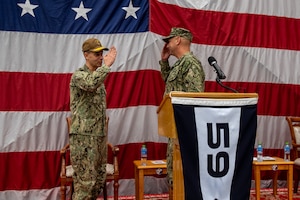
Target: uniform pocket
[[91, 126]]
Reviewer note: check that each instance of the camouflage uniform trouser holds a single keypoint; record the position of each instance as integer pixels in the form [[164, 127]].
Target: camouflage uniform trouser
[[170, 162], [88, 157]]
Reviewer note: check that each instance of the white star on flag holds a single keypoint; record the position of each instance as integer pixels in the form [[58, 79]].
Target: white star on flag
[[81, 11], [130, 10], [27, 7]]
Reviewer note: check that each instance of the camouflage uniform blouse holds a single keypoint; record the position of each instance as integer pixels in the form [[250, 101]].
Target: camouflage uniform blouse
[[88, 101], [186, 75]]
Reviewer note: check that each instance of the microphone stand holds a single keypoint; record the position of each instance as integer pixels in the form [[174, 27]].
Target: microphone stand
[[224, 86]]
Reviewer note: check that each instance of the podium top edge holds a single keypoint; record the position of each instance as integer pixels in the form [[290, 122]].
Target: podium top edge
[[212, 95], [216, 95]]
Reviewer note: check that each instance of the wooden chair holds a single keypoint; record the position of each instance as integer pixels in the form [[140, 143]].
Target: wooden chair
[[112, 168], [294, 125]]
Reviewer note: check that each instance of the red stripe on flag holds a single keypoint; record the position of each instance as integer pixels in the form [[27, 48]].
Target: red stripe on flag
[[29, 170], [34, 91], [41, 170], [286, 96], [50, 92], [215, 28], [130, 152], [134, 88]]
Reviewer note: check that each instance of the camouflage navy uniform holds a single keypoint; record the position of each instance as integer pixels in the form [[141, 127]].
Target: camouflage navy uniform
[[186, 75], [88, 139]]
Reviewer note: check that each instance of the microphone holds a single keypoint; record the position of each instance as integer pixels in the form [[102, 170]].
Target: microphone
[[213, 62]]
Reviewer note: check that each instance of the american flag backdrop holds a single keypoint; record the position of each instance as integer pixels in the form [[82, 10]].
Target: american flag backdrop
[[255, 42]]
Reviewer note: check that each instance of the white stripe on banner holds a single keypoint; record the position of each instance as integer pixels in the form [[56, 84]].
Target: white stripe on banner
[[220, 170], [213, 102]]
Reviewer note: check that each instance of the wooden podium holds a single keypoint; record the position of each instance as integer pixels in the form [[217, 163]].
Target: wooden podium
[[167, 128]]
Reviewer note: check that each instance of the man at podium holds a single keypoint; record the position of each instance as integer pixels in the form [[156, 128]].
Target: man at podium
[[185, 75]]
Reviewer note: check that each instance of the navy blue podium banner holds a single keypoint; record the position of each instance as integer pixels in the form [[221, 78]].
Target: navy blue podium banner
[[216, 138]]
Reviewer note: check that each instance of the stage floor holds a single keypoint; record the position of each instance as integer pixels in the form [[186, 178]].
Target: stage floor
[[266, 194]]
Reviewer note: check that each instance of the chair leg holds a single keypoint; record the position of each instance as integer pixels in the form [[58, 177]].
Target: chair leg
[[71, 190], [116, 189], [170, 193], [296, 181], [63, 189], [105, 191]]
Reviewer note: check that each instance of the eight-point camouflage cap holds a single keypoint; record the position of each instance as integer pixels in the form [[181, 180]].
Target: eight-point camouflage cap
[[179, 32], [93, 45]]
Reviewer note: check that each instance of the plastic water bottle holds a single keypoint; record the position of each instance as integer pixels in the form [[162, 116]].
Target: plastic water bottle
[[143, 155], [259, 152], [287, 151]]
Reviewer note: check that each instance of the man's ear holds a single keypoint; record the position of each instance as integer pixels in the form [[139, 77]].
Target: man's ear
[[85, 54], [178, 40]]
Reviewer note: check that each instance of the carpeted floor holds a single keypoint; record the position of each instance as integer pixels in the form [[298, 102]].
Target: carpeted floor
[[146, 197], [265, 194]]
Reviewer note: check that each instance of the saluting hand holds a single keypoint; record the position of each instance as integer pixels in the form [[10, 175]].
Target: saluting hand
[[110, 57], [165, 53]]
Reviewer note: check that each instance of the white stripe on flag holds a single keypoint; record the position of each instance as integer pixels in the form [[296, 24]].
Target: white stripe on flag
[[39, 194], [286, 8], [263, 61], [59, 53], [33, 131], [12, 139], [250, 64], [128, 125]]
